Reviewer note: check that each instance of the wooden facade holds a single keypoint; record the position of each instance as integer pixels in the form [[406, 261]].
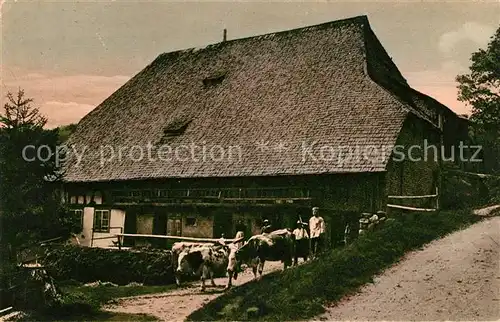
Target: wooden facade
[[212, 207]]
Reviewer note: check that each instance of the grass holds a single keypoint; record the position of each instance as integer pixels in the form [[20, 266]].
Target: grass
[[301, 293], [104, 294], [82, 303]]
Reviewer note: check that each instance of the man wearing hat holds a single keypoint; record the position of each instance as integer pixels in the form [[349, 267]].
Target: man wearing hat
[[301, 241], [317, 230], [266, 229]]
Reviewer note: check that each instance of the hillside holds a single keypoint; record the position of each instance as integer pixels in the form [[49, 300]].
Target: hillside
[[65, 131], [455, 278]]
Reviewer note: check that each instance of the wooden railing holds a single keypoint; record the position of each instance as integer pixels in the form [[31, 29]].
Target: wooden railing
[[434, 196], [105, 237]]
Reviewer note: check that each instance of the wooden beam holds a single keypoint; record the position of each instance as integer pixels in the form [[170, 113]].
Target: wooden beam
[[105, 237], [204, 204], [412, 197], [268, 199], [5, 310], [209, 240], [410, 208], [472, 174]]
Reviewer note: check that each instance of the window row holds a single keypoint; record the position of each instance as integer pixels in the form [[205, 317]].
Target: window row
[[101, 221]]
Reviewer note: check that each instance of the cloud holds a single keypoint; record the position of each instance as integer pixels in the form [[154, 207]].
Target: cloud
[[62, 113], [440, 84], [456, 46], [63, 99], [443, 76], [476, 32]]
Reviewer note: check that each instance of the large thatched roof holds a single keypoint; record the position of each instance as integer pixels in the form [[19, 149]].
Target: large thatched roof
[[332, 84]]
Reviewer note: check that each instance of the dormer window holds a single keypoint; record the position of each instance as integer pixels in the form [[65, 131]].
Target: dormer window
[[175, 128], [214, 80]]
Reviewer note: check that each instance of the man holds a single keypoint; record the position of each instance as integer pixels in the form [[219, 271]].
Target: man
[[317, 231], [266, 229], [301, 242], [233, 267]]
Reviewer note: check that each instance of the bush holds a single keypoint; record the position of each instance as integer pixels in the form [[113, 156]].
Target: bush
[[87, 264], [461, 190], [493, 186], [9, 277], [300, 293], [27, 288]]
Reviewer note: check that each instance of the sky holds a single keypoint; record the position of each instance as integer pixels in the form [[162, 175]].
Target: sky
[[70, 56]]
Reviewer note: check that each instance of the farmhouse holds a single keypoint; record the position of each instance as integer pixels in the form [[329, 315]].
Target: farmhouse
[[206, 141]]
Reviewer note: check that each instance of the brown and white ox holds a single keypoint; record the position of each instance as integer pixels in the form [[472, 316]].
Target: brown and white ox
[[178, 247], [275, 246], [204, 260]]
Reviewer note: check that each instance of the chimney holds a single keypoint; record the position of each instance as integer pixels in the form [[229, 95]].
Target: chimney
[[224, 38]]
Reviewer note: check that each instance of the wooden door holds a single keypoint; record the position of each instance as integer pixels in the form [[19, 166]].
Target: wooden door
[[130, 227], [223, 224]]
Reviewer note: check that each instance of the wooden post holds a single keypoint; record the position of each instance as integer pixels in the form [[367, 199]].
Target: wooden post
[[437, 198]]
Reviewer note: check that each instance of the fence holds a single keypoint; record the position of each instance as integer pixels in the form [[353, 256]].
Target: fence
[[105, 237], [436, 196]]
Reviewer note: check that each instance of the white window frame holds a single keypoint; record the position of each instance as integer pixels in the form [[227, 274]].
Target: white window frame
[[103, 217]]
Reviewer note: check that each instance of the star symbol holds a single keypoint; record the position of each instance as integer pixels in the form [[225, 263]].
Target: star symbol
[[280, 147], [262, 145]]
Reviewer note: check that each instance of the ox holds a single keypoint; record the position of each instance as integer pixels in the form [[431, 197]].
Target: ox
[[204, 260], [275, 246], [179, 247]]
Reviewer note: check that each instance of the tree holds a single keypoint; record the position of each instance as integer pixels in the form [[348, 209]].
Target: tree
[[65, 131], [19, 112], [481, 90], [31, 206]]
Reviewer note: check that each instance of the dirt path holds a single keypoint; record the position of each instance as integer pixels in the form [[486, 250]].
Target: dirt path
[[177, 305], [454, 278]]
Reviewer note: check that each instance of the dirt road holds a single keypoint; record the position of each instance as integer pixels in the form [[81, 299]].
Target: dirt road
[[454, 278], [177, 305]]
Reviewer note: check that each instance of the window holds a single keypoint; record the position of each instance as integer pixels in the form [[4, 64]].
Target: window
[[190, 221], [214, 80], [174, 227], [78, 215], [176, 127], [101, 221]]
